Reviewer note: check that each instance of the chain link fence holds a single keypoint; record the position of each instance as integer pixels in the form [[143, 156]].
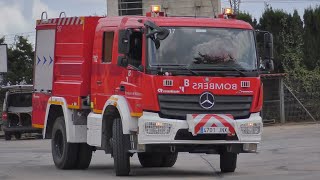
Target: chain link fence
[[299, 104]]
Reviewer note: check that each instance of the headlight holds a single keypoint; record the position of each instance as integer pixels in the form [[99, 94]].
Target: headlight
[[157, 128], [251, 128]]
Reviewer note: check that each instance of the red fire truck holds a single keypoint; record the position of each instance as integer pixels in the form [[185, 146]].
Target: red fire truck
[[151, 85]]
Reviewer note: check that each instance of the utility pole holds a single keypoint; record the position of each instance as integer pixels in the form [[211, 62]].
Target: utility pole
[[235, 5]]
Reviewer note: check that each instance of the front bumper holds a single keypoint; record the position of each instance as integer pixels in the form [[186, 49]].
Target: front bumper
[[176, 125]]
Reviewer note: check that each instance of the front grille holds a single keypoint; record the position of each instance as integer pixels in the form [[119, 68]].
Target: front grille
[[178, 106], [184, 134]]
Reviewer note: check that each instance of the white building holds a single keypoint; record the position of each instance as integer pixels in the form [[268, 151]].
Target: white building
[[207, 8]]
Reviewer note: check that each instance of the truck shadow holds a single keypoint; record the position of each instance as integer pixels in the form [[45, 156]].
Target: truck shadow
[[138, 171]]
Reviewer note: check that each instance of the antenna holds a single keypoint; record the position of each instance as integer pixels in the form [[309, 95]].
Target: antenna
[[235, 5]]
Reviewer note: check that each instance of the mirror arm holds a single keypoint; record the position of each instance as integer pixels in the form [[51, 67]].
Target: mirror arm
[[152, 33]]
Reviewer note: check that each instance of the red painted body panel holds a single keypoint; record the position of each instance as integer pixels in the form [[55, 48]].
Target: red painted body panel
[[39, 105], [73, 56], [175, 21], [198, 85], [72, 62]]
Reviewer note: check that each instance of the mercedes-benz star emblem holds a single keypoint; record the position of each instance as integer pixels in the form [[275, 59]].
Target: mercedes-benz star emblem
[[206, 100]]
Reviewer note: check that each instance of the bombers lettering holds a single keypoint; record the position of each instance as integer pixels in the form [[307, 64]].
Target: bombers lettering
[[211, 86]]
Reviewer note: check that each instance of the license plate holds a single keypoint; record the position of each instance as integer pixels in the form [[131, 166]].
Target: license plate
[[215, 130]]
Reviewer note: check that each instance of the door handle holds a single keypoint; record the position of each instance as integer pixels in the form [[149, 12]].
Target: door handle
[[99, 82], [122, 88]]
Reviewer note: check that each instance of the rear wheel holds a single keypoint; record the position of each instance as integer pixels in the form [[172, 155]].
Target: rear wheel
[[228, 162], [64, 154], [120, 149], [7, 136], [157, 159], [17, 135]]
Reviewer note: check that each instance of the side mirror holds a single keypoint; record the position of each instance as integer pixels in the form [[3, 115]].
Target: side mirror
[[122, 61], [157, 43], [268, 51], [124, 41], [156, 33], [3, 58], [268, 46], [270, 65], [163, 34]]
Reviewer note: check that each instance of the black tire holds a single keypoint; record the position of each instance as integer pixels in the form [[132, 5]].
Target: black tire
[[84, 156], [169, 159], [64, 154], [228, 162], [7, 136], [120, 149], [150, 159], [157, 159], [17, 135]]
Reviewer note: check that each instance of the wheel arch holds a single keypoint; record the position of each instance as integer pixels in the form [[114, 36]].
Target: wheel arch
[[75, 133], [109, 115], [54, 112], [120, 104]]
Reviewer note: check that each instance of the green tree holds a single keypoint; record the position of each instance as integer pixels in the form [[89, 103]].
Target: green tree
[[312, 37], [291, 38], [20, 61], [245, 16], [278, 23]]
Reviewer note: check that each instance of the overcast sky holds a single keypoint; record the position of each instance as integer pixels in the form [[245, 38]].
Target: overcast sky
[[18, 16]]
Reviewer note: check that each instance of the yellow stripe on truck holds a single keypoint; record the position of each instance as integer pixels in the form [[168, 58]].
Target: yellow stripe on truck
[[38, 126], [56, 102], [136, 114]]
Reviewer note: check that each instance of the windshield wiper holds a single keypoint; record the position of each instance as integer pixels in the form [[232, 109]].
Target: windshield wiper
[[222, 68], [188, 69], [239, 71], [180, 67]]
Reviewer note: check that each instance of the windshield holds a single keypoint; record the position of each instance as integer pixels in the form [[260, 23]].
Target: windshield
[[205, 47]]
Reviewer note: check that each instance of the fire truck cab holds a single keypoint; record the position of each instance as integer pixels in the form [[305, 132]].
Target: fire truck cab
[[150, 85]]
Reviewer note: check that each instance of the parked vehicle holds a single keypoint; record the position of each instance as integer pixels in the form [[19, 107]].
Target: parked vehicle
[[17, 109], [151, 85]]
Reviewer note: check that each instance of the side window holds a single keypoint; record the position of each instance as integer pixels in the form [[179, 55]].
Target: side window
[[135, 54], [107, 46]]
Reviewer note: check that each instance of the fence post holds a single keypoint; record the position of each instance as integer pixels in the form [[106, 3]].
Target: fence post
[[281, 93]]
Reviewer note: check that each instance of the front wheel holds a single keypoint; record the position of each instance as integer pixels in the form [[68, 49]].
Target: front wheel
[[120, 149], [64, 154], [228, 161]]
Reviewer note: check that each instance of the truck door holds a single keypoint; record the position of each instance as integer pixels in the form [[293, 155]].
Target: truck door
[[103, 68], [131, 84], [108, 77]]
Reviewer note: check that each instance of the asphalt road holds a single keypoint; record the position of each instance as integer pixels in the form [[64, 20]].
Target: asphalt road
[[287, 152]]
